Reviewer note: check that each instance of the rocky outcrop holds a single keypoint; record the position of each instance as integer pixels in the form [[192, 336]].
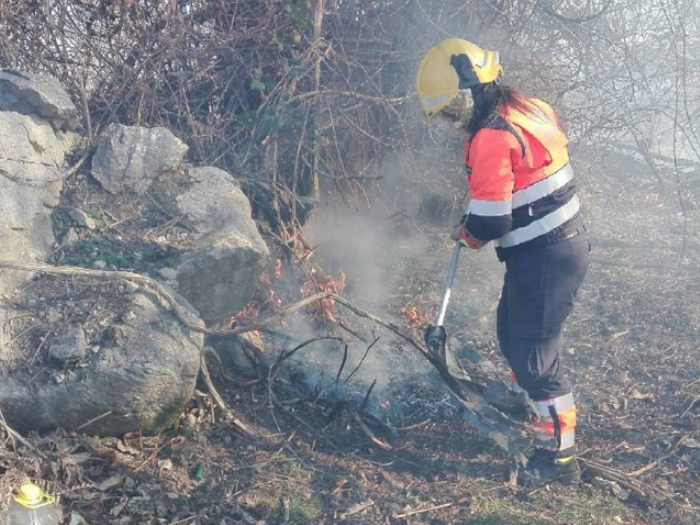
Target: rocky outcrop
[[34, 111], [30, 183], [68, 347], [130, 158], [220, 275], [38, 95], [136, 369], [139, 377]]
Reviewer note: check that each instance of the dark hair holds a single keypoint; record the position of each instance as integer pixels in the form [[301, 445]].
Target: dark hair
[[489, 99]]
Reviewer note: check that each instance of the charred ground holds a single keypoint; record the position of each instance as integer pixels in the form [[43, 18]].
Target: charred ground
[[630, 347]]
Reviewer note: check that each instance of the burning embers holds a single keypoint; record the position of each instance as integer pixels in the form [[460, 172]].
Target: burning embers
[[414, 316], [278, 288], [324, 284]]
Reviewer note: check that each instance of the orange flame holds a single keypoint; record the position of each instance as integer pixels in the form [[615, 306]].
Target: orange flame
[[278, 268], [335, 286], [269, 299], [250, 312], [414, 316]]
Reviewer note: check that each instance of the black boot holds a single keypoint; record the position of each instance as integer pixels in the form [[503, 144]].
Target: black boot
[[544, 467]]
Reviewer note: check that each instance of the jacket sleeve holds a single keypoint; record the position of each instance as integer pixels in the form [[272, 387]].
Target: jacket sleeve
[[491, 157]]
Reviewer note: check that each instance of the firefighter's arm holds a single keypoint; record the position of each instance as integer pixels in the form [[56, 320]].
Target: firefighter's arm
[[460, 233], [492, 155]]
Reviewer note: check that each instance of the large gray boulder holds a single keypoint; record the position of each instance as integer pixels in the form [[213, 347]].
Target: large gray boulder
[[32, 154], [40, 95], [137, 378], [129, 158], [137, 369], [220, 275]]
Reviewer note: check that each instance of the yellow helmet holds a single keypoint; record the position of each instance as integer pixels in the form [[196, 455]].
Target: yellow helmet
[[451, 66]]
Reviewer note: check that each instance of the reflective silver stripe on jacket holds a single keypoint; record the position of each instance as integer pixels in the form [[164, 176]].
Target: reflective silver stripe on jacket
[[490, 208], [541, 226], [545, 187]]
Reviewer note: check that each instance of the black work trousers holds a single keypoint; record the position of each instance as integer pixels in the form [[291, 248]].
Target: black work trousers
[[539, 290]]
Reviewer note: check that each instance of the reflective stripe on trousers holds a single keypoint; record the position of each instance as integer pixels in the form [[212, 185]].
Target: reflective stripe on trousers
[[556, 418]]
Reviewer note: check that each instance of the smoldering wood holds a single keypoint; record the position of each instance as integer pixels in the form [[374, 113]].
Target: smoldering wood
[[289, 353], [369, 393], [342, 364]]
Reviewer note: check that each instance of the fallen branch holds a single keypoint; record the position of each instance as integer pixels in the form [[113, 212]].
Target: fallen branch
[[633, 485], [363, 426], [315, 431], [369, 393], [657, 462], [16, 436], [352, 332], [627, 481], [94, 420], [289, 353], [489, 421], [421, 424], [431, 509], [356, 509], [342, 364], [359, 365], [187, 318], [204, 369], [617, 476]]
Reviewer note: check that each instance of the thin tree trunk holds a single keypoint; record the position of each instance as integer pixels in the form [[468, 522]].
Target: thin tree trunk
[[318, 31]]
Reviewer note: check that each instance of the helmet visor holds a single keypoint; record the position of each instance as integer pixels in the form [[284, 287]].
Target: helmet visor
[[459, 111]]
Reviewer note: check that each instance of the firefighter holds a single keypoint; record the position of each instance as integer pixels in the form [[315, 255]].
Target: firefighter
[[523, 198]]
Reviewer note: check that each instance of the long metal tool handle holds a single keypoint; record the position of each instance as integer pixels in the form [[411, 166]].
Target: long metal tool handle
[[451, 272]]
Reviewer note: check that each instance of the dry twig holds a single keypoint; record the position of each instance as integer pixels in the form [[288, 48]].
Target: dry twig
[[656, 463], [363, 426], [14, 435], [431, 509]]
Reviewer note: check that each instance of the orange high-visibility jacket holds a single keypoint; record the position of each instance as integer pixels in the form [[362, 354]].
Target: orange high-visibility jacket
[[521, 184]]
